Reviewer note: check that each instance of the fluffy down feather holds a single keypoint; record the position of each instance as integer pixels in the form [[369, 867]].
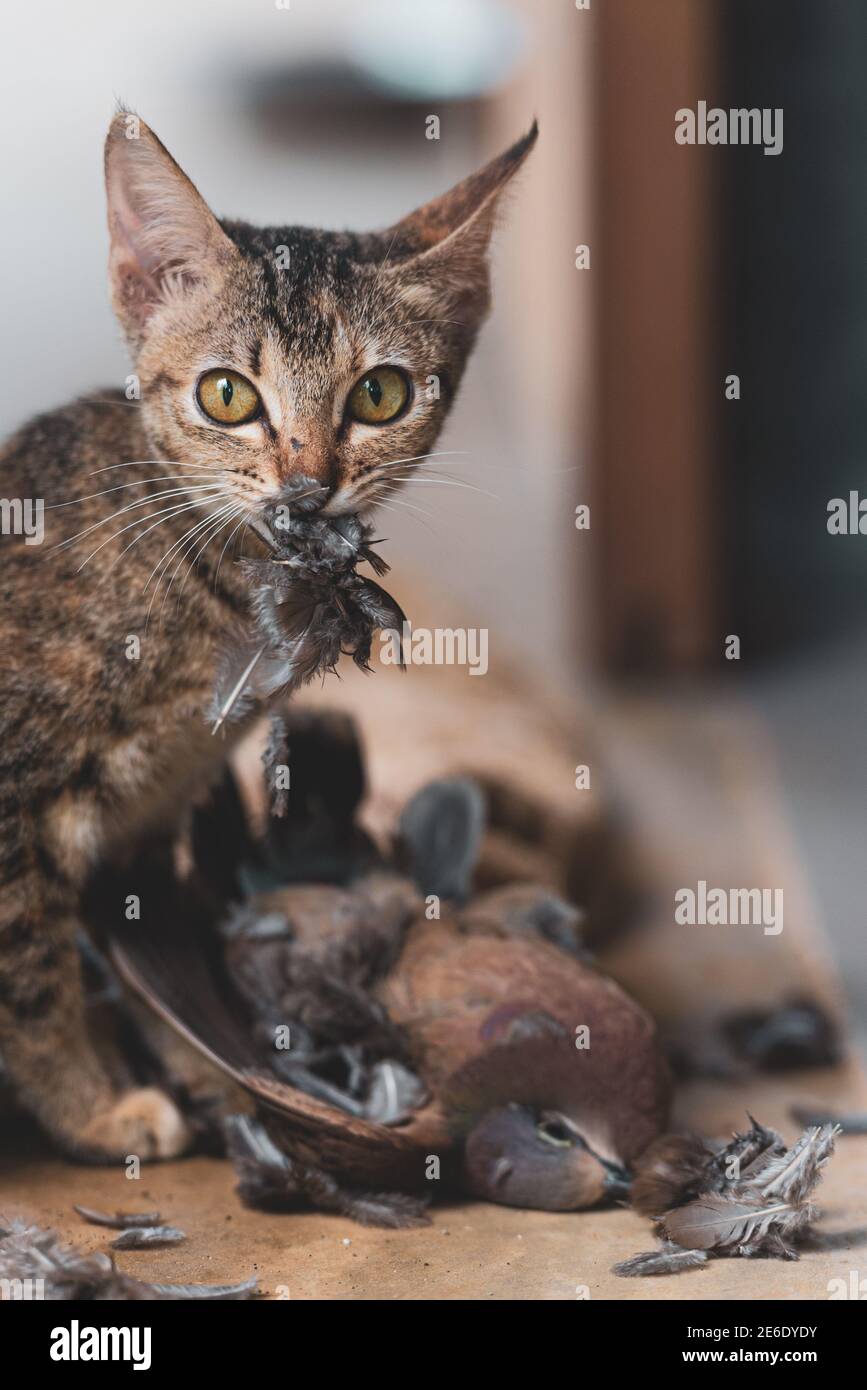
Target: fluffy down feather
[[750, 1198], [309, 606], [34, 1253]]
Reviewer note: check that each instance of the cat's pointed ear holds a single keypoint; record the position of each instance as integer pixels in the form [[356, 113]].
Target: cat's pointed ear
[[444, 244], [163, 235]]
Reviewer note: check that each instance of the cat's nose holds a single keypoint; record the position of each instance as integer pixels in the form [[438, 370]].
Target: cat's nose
[[306, 457]]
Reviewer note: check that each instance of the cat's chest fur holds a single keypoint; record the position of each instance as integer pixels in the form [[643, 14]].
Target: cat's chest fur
[[108, 683]]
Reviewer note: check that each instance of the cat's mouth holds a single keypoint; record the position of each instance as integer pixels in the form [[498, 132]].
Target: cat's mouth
[[296, 509]]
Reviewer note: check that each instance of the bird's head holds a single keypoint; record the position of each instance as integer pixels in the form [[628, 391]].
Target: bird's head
[[522, 1157], [552, 1126]]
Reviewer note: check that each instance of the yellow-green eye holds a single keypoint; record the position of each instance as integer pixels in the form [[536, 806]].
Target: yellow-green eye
[[378, 396], [228, 397]]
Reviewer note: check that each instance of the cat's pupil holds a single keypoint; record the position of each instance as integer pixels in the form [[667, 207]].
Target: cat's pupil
[[227, 391], [374, 389]]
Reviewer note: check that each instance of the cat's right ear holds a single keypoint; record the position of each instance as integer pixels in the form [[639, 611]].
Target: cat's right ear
[[163, 235]]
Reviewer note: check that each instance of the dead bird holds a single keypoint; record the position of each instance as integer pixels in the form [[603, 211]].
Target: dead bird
[[538, 1080]]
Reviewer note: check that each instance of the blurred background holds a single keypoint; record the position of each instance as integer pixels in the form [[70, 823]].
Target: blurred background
[[602, 386]]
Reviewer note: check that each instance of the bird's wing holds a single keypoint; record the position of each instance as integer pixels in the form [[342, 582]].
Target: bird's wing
[[172, 970]]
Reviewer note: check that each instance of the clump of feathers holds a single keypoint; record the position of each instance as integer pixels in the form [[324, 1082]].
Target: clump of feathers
[[750, 1197], [35, 1265], [344, 1048], [310, 605], [269, 1179]]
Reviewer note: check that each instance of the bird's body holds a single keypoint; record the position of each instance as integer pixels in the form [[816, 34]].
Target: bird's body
[[514, 1034], [541, 1079]]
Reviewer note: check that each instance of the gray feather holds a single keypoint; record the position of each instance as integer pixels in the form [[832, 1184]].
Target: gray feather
[[793, 1175], [142, 1237], [668, 1259], [767, 1208], [120, 1220], [214, 1293], [719, 1221], [852, 1123], [67, 1274]]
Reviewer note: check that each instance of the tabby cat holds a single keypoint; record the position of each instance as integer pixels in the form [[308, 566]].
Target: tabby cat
[[260, 354]]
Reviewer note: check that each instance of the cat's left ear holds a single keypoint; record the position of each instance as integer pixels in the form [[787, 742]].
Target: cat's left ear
[[443, 246], [164, 236]]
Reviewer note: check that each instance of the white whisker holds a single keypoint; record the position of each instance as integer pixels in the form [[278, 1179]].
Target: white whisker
[[417, 458], [375, 498], [119, 487], [443, 482], [221, 519], [228, 515], [133, 506], [244, 520], [164, 515], [165, 560], [156, 463], [190, 539]]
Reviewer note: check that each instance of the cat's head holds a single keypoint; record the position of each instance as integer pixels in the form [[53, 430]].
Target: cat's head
[[271, 353]]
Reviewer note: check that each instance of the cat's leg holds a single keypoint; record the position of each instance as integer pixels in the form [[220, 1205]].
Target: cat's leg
[[46, 1047], [209, 1090]]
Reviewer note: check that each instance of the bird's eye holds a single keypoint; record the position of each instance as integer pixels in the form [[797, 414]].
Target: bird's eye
[[554, 1132], [379, 396], [227, 397]]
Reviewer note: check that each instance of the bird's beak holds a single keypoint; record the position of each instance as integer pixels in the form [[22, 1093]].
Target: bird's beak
[[617, 1182]]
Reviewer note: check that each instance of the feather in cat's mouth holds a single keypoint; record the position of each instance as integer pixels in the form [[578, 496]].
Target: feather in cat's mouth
[[301, 501], [309, 603]]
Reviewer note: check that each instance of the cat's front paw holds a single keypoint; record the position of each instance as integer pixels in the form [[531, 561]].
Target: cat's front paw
[[143, 1123]]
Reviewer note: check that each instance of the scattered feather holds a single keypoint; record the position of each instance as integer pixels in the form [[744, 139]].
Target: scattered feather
[[793, 1175], [850, 1124], [668, 1259], [121, 1220], [143, 1237], [66, 1274], [677, 1168], [270, 1180], [214, 1293], [746, 1152], [672, 1170], [719, 1221], [750, 1197], [769, 1204], [796, 1034]]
